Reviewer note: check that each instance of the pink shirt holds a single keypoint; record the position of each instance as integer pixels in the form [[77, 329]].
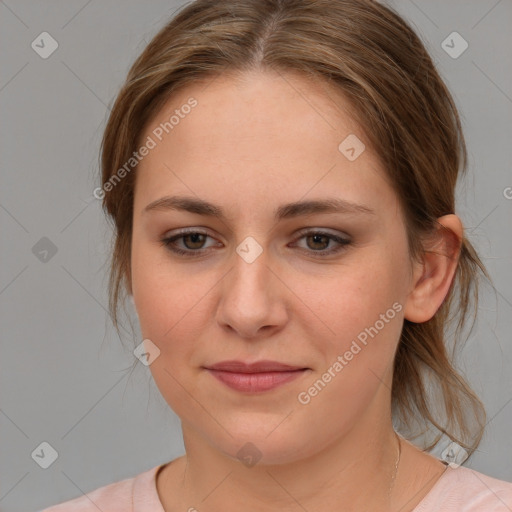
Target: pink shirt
[[459, 489]]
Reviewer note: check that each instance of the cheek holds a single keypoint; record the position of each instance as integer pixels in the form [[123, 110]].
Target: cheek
[[169, 307], [363, 308], [355, 295], [169, 314], [174, 313], [162, 292]]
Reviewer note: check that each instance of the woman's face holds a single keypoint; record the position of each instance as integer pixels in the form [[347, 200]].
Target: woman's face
[[266, 281]]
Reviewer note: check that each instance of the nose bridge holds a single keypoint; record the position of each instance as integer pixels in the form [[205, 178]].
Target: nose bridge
[[249, 298], [251, 271]]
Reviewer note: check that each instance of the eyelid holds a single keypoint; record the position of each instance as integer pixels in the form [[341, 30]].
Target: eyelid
[[326, 231]]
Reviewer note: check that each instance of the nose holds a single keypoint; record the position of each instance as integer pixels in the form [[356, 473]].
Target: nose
[[253, 301]]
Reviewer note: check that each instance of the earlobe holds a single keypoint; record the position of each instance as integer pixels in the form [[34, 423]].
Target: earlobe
[[433, 277]]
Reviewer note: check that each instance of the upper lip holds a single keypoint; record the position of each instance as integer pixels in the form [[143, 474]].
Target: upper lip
[[256, 367]]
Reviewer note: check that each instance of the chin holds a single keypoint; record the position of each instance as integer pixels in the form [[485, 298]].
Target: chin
[[260, 442]]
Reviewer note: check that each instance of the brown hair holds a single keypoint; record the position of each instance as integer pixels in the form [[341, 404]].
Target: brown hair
[[375, 59]]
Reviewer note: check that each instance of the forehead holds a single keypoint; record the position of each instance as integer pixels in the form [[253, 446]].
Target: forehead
[[257, 136], [271, 106]]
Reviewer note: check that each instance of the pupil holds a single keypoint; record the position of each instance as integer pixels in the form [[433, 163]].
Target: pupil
[[316, 237], [194, 237]]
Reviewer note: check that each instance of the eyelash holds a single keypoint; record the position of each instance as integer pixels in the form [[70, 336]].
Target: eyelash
[[169, 241]]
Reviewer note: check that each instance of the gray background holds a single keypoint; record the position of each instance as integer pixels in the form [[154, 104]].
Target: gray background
[[65, 377]]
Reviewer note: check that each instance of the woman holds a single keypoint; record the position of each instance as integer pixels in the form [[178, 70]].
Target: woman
[[281, 177]]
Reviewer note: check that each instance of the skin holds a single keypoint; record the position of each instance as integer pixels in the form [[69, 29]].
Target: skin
[[250, 145]]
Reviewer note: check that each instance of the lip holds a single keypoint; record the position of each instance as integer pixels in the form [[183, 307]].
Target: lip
[[254, 377], [256, 367]]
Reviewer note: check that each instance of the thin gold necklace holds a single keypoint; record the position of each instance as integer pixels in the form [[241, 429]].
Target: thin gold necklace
[[396, 464]]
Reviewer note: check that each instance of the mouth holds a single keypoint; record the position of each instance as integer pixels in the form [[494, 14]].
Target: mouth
[[255, 377]]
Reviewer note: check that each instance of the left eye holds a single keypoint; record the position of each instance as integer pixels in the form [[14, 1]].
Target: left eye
[[194, 241], [320, 238]]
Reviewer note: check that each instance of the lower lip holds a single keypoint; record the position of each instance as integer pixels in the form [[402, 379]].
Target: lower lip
[[255, 382]]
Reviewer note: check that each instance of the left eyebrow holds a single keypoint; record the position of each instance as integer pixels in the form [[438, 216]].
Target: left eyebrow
[[285, 211]]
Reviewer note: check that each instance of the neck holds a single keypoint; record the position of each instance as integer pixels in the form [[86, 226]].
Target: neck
[[357, 470]]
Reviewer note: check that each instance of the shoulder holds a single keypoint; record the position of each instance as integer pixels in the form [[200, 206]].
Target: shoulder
[[119, 496], [463, 489]]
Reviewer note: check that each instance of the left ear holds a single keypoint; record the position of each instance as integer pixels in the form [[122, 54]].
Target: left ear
[[433, 276]]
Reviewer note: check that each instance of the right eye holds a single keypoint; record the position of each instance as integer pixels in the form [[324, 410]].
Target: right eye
[[193, 241]]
